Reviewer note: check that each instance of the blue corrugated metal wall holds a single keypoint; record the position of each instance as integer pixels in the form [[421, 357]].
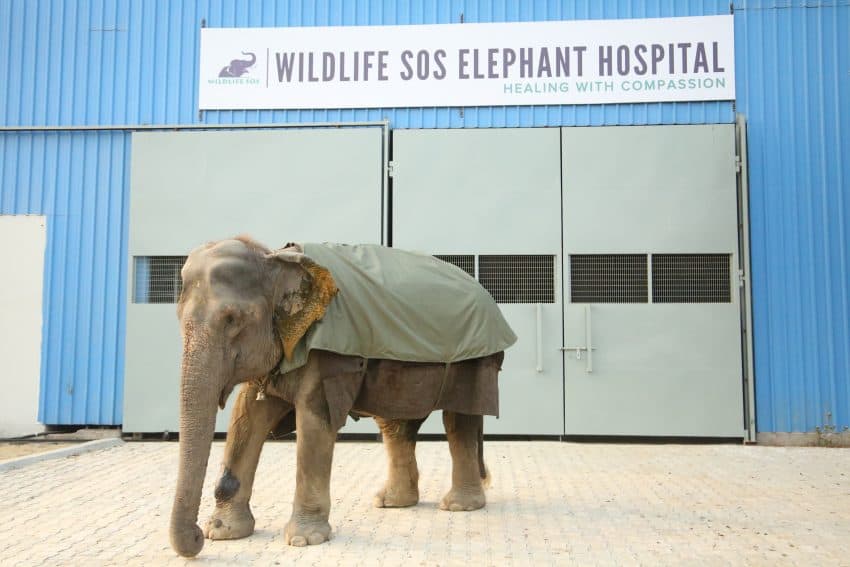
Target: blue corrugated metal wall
[[102, 63], [137, 62], [79, 181], [795, 60]]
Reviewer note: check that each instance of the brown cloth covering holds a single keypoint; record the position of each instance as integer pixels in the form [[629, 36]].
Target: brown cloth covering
[[403, 390]]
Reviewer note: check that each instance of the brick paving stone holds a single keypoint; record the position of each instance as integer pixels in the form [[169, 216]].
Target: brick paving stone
[[550, 504]]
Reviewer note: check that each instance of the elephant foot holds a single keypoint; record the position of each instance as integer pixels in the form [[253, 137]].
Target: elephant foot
[[306, 532], [230, 522], [463, 500], [394, 497]]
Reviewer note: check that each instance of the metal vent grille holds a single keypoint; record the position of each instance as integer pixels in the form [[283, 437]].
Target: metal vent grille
[[691, 278], [518, 278], [158, 279], [608, 278], [465, 262]]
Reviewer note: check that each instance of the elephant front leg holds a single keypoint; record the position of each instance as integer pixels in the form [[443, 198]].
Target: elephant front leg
[[464, 435], [402, 486], [311, 507], [250, 423]]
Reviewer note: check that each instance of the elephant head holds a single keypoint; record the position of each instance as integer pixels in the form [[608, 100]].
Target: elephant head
[[242, 308]]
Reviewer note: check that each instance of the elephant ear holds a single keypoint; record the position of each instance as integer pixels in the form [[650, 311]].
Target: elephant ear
[[303, 291]]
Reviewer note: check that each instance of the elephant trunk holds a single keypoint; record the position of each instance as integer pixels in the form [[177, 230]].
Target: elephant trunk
[[253, 57], [199, 391]]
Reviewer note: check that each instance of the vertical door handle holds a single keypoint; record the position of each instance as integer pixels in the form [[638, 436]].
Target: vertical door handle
[[539, 312], [588, 340], [588, 337]]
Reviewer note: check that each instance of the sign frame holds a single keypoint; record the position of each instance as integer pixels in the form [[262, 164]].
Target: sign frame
[[457, 65]]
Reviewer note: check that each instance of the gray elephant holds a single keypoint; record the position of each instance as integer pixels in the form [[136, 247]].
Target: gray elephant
[[316, 333]]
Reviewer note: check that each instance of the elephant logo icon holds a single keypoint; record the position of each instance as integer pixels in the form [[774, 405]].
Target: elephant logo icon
[[238, 67]]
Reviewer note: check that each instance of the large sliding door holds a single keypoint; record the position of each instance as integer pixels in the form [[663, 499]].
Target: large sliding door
[[648, 341]]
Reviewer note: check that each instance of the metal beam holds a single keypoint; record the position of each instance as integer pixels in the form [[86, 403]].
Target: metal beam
[[142, 127], [744, 196]]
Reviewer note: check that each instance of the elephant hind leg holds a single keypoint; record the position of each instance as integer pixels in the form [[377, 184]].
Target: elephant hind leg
[[402, 486], [465, 435], [483, 472]]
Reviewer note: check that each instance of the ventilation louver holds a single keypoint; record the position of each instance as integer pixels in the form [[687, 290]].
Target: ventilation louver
[[157, 279], [691, 278], [518, 278], [608, 278], [465, 262]]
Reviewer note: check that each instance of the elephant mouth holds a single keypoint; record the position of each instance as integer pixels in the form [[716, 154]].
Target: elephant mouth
[[225, 393]]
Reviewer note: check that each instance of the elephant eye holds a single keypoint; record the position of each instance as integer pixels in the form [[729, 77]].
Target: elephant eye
[[230, 318]]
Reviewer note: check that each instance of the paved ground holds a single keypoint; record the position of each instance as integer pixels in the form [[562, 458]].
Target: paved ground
[[550, 503]]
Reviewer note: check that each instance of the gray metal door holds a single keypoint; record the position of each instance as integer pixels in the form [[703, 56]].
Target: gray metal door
[[190, 187], [489, 201], [652, 317]]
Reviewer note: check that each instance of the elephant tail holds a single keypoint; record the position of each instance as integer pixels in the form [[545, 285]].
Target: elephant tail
[[486, 480], [483, 471]]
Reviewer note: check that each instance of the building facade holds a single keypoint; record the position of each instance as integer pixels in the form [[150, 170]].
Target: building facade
[[88, 86]]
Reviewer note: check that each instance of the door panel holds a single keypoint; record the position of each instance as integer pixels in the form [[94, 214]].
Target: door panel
[[666, 356], [487, 191], [22, 243], [657, 370], [650, 188], [494, 195]]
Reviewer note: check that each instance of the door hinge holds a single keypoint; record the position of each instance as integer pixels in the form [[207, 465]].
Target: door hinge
[[741, 278], [737, 164], [391, 168]]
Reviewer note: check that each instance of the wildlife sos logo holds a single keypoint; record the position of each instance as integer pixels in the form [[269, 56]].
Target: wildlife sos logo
[[238, 71]]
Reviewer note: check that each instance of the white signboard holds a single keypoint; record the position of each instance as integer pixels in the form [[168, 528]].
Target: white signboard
[[564, 62]]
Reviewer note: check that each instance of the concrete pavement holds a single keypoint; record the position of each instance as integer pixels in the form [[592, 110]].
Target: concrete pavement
[[550, 503]]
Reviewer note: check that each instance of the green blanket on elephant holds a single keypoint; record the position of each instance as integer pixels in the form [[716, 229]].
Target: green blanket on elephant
[[399, 305]]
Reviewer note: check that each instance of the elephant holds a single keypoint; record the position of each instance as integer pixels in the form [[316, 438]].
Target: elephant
[[238, 67], [246, 314]]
